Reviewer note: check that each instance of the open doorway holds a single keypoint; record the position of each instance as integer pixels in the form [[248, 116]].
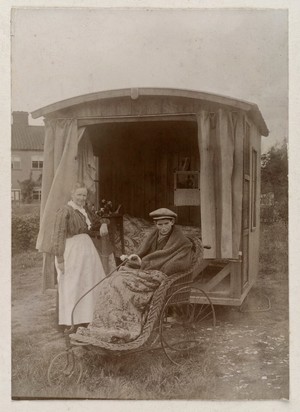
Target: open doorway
[[137, 163]]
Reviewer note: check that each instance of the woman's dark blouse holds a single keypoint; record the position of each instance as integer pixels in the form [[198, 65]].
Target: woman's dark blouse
[[68, 223]]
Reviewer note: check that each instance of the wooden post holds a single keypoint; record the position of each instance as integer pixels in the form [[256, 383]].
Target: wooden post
[[49, 274], [235, 280]]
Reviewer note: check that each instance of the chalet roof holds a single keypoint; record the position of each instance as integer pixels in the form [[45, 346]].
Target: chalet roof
[[251, 108], [26, 137]]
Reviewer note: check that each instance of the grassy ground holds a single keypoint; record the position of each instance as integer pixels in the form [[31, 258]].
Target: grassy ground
[[24, 209], [249, 359]]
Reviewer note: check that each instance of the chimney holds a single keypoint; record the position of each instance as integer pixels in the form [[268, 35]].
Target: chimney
[[20, 118]]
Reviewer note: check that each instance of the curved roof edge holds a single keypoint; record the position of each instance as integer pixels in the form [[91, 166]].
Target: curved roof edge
[[151, 91]]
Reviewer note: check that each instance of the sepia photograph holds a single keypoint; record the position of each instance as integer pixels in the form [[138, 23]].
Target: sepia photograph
[[149, 204]]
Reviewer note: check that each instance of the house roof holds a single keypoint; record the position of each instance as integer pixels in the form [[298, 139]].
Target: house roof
[[25, 137], [252, 108]]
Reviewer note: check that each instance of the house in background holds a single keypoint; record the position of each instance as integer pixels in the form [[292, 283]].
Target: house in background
[[27, 145]]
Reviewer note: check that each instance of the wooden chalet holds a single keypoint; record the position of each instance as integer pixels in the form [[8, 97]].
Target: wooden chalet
[[193, 152]]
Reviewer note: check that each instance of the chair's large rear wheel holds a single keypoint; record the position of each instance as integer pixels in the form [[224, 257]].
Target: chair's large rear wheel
[[65, 368], [186, 327]]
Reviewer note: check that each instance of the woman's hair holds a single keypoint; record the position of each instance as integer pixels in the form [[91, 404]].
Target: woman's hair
[[78, 185]]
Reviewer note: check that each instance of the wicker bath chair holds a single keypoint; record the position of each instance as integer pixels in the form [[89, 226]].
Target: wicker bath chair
[[174, 324]]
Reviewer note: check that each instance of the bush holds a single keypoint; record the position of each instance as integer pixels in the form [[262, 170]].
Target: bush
[[281, 210], [24, 232], [274, 179]]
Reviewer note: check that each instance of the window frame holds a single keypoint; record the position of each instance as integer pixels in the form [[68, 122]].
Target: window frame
[[39, 159], [13, 197], [37, 190], [16, 159]]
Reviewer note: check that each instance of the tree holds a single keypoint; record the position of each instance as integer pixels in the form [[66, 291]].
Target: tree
[[274, 176], [26, 187]]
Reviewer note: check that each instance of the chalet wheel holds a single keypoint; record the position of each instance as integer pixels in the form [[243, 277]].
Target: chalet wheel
[[65, 368], [187, 328]]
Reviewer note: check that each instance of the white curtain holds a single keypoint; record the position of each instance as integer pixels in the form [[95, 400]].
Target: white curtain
[[207, 184], [86, 163], [59, 174], [220, 139]]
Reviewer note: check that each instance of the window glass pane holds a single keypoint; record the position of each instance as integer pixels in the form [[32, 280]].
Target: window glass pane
[[246, 196], [36, 194], [15, 195], [37, 162], [247, 150], [16, 162], [254, 187]]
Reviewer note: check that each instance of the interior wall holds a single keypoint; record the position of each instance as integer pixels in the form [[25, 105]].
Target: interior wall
[[137, 161]]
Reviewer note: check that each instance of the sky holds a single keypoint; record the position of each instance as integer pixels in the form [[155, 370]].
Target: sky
[[243, 53]]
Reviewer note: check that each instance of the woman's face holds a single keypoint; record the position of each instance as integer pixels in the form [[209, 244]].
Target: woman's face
[[79, 196], [164, 226]]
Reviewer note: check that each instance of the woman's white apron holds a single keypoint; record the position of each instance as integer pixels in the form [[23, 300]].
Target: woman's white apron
[[83, 269]]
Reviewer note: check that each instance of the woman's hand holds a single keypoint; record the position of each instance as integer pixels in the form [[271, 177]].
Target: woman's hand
[[123, 257], [103, 230], [61, 267]]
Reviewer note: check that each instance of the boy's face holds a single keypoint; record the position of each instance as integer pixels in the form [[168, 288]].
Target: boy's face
[[164, 226]]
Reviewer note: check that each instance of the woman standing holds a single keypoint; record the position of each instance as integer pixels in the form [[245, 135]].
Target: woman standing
[[77, 261]]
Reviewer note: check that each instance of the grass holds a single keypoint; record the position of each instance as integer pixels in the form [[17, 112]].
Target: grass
[[139, 376], [274, 251], [136, 377], [21, 209], [35, 341]]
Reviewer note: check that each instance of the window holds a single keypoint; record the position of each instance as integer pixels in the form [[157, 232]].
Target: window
[[254, 189], [37, 193], [37, 162], [16, 195], [186, 188], [246, 189], [247, 150], [15, 162]]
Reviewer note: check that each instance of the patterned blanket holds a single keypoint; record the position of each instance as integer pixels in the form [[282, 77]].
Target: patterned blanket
[[122, 306], [124, 299]]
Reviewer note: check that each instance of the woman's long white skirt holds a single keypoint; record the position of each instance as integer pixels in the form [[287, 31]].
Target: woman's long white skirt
[[83, 269]]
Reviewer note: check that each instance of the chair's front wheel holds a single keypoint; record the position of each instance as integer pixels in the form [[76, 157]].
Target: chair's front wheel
[[65, 368], [187, 325]]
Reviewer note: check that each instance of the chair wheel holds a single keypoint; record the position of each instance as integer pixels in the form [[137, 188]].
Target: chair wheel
[[187, 328], [65, 368]]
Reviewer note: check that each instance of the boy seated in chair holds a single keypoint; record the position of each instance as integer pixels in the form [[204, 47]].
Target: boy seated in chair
[[124, 297], [165, 248]]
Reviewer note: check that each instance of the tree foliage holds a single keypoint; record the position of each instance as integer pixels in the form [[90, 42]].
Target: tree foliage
[[27, 187], [24, 231], [274, 176]]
